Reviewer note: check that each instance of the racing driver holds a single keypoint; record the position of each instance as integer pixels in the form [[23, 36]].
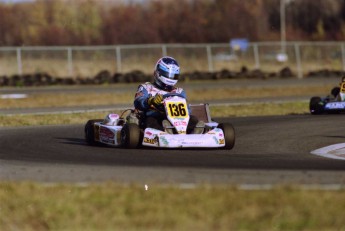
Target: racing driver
[[149, 97]]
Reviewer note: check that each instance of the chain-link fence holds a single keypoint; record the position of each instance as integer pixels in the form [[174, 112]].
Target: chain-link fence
[[87, 61]]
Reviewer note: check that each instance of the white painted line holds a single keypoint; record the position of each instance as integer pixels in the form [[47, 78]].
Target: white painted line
[[13, 96], [335, 151], [71, 111]]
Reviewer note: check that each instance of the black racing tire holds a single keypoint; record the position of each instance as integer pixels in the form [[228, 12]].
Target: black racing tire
[[229, 135], [90, 132], [130, 136], [315, 107], [335, 91]]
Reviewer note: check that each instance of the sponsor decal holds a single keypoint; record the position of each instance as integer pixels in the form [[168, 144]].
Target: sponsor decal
[[220, 135], [192, 142], [221, 141], [335, 105], [164, 140], [342, 88], [118, 137], [148, 133], [215, 139], [106, 135], [150, 141], [113, 116], [180, 123], [106, 132]]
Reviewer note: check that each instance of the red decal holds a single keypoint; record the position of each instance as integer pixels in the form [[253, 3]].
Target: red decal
[[180, 123], [105, 133]]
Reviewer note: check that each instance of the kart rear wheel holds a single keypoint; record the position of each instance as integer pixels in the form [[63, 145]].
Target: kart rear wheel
[[314, 105], [90, 132], [130, 135], [229, 135]]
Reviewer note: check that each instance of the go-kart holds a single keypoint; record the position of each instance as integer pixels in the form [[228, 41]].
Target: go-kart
[[333, 103], [128, 129]]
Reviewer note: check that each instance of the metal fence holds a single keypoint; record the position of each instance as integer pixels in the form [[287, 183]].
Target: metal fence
[[87, 61]]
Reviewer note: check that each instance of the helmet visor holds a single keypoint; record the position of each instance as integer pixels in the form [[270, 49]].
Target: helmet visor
[[168, 73]]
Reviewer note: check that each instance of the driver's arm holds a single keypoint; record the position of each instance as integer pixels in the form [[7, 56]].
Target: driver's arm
[[141, 97]]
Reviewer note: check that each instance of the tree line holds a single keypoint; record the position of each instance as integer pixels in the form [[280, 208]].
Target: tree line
[[95, 22]]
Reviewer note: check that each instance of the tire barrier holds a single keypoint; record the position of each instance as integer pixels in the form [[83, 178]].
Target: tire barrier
[[106, 77]]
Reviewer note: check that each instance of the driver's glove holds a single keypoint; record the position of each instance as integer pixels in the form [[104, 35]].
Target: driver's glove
[[155, 100]]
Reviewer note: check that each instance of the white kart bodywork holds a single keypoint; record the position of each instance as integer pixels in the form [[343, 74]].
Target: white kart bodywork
[[111, 130], [108, 134], [178, 115], [156, 138]]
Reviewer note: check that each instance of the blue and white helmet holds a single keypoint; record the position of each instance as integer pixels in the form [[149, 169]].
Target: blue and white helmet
[[166, 73]]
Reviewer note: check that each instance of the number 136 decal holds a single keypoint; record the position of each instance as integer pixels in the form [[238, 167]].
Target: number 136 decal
[[177, 110]]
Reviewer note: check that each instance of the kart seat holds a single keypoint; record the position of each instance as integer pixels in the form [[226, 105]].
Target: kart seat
[[201, 111]]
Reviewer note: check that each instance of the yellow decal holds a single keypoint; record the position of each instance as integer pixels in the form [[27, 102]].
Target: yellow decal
[[118, 137], [342, 88], [177, 109], [150, 141], [221, 141]]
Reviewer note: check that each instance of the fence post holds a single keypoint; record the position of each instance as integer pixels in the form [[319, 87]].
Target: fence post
[[298, 61], [19, 61], [209, 58], [70, 61], [164, 50], [118, 59], [256, 56], [343, 54]]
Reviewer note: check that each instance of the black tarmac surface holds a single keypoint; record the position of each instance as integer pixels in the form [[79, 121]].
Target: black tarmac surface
[[268, 150]]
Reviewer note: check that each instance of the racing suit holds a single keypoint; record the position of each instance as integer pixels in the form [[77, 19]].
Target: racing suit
[[154, 117]]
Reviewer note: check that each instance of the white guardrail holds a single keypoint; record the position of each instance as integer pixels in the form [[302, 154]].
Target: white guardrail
[[87, 61]]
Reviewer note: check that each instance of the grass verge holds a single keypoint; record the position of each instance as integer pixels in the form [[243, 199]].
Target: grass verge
[[110, 206], [259, 109], [87, 99]]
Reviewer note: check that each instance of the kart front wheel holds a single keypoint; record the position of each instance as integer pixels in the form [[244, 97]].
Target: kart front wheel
[[130, 135], [90, 132], [315, 105], [229, 135]]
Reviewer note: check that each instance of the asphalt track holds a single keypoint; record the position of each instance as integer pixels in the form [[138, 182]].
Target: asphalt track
[[269, 150]]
